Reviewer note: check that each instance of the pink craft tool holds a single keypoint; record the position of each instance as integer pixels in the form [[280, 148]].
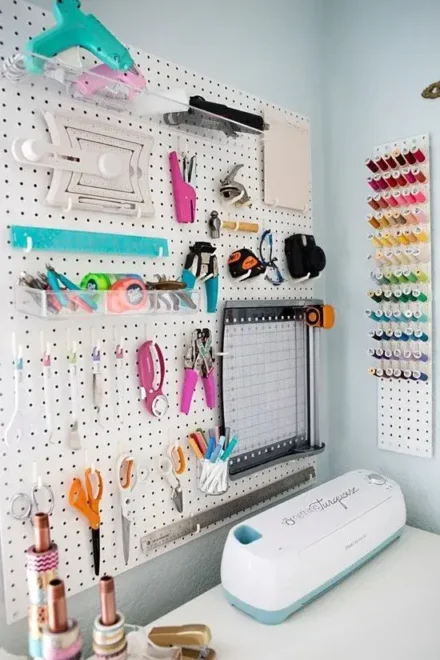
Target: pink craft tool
[[102, 76], [151, 366], [199, 361], [184, 194]]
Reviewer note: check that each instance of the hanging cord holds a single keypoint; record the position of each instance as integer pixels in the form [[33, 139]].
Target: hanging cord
[[276, 278]]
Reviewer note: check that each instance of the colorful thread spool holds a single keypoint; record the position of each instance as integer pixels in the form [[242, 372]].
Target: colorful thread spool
[[371, 165], [418, 296], [381, 163], [373, 184], [421, 235], [418, 356], [419, 335], [418, 154], [390, 161], [409, 157], [371, 201], [421, 276], [409, 196], [419, 175], [409, 175], [41, 568], [399, 157], [418, 375], [418, 194]]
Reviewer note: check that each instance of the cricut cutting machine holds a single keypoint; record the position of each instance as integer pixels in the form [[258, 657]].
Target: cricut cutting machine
[[279, 560]]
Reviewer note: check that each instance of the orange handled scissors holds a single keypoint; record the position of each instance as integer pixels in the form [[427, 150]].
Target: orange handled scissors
[[88, 502]]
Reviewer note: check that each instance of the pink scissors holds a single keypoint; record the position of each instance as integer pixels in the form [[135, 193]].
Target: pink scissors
[[149, 356]]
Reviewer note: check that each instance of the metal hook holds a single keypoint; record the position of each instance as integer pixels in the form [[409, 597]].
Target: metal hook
[[29, 244]]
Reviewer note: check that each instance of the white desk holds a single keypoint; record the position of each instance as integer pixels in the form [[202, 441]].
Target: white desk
[[388, 610]]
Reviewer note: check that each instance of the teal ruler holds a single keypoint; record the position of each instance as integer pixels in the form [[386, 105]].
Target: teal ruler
[[63, 240]]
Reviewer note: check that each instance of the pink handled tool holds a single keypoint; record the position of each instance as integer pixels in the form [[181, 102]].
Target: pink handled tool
[[184, 194], [199, 361], [101, 76], [155, 400]]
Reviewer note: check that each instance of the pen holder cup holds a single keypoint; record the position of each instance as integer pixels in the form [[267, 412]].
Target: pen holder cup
[[213, 478]]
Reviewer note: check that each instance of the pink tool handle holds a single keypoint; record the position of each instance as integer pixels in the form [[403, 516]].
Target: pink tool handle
[[101, 76], [184, 195], [189, 385], [209, 385], [146, 372]]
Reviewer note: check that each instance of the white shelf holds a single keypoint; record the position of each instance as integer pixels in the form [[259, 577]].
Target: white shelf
[[146, 105], [86, 304]]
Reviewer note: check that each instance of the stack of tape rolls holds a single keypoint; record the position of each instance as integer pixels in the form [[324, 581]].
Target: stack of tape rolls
[[110, 641], [42, 567]]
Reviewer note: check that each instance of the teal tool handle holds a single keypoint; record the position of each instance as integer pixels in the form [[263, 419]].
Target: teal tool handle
[[212, 289], [53, 283], [189, 278], [87, 299], [226, 454], [74, 28]]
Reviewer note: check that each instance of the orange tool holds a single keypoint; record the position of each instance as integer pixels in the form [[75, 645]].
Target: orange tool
[[87, 501], [175, 452]]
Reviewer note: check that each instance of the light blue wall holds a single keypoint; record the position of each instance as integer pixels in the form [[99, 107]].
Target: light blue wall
[[379, 56], [266, 48]]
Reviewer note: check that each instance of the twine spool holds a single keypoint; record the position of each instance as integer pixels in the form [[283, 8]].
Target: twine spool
[[110, 641], [63, 646], [42, 567]]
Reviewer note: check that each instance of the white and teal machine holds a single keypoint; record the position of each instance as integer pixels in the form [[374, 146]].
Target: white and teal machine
[[279, 560]]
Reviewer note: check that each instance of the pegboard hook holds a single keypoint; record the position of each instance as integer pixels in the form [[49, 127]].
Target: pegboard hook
[[160, 252], [69, 205], [29, 244]]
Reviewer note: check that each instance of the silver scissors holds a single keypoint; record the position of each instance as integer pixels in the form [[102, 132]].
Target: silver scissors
[[168, 471], [129, 473], [24, 506]]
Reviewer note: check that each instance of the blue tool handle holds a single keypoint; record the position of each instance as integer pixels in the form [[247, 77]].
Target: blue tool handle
[[211, 447], [53, 283], [86, 298], [75, 28], [212, 289], [189, 278]]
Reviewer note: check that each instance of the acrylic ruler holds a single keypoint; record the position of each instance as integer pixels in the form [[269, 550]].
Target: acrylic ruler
[[239, 507]]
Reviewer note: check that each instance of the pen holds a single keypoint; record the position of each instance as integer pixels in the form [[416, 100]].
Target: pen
[[226, 454], [211, 447]]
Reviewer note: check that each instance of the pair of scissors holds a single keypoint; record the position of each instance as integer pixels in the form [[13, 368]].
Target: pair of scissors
[[24, 506], [126, 472], [170, 466], [87, 502]]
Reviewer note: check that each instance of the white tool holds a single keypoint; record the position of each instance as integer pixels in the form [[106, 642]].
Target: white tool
[[277, 561], [97, 390], [15, 427], [120, 381], [95, 166], [73, 435], [108, 165], [47, 388]]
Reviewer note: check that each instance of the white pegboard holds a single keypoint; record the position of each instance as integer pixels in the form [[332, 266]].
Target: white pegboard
[[405, 407], [22, 193]]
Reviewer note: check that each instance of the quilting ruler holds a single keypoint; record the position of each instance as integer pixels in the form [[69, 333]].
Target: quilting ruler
[[238, 508]]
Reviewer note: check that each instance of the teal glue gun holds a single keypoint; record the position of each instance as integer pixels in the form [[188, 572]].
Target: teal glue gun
[[74, 28]]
